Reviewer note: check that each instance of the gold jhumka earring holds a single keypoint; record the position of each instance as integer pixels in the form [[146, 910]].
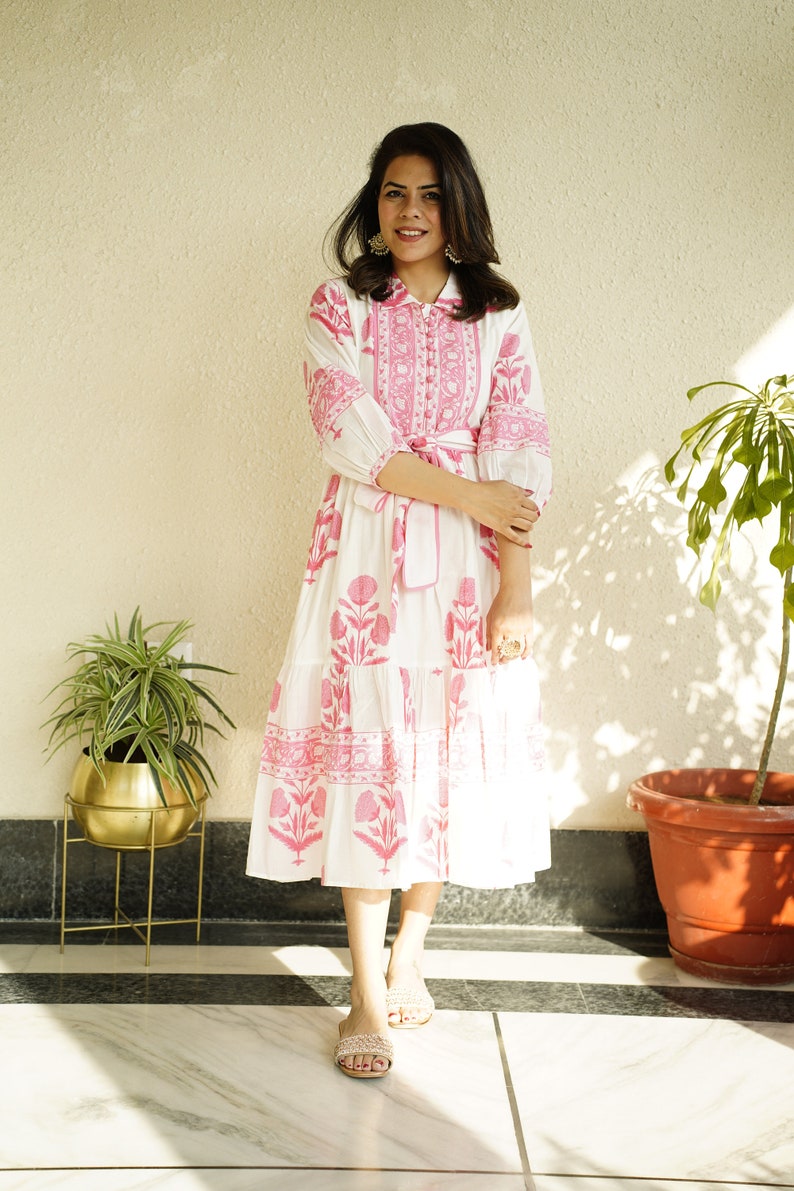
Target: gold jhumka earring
[[378, 245]]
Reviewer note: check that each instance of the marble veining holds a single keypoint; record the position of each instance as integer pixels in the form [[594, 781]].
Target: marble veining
[[606, 1183], [171, 1085], [211, 1071], [260, 1179], [655, 1098]]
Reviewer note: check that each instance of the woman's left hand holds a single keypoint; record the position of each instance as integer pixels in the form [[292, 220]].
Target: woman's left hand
[[510, 619]]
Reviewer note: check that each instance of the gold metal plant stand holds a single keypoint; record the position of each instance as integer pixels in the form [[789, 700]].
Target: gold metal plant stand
[[142, 928]]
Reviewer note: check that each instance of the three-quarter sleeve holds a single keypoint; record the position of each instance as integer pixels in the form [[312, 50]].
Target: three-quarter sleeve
[[356, 436], [514, 435]]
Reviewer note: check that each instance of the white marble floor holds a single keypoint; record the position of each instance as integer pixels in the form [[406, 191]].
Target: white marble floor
[[558, 1070]]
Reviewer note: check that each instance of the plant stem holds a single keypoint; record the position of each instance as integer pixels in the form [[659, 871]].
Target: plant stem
[[763, 764]]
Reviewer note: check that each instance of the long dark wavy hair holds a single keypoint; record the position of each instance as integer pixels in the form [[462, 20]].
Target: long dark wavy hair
[[465, 218]]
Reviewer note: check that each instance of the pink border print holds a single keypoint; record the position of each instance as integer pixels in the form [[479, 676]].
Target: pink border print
[[510, 422]]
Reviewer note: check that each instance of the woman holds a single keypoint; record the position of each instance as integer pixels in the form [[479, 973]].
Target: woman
[[403, 741]]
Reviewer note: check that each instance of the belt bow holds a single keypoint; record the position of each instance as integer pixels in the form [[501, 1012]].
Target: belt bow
[[420, 554]]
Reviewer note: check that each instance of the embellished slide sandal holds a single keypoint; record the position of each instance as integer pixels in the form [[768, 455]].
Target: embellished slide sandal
[[363, 1044], [398, 998]]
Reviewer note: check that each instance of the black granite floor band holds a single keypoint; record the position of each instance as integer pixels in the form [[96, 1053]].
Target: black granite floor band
[[599, 879], [467, 995], [441, 937]]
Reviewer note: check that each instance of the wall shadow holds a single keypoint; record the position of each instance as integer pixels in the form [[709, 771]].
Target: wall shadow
[[637, 673]]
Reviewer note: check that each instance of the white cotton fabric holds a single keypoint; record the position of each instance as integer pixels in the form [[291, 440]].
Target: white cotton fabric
[[394, 751]]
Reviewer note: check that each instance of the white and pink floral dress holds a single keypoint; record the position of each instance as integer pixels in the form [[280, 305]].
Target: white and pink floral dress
[[395, 752]]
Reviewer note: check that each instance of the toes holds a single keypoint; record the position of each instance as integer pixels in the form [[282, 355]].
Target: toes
[[364, 1063], [399, 1015]]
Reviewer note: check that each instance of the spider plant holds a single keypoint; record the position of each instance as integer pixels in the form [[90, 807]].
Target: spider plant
[[753, 433], [134, 701]]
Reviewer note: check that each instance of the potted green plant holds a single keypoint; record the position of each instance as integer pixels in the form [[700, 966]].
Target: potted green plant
[[143, 717], [722, 840]]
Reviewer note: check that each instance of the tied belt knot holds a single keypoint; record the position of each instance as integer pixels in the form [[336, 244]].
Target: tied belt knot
[[446, 450], [417, 549]]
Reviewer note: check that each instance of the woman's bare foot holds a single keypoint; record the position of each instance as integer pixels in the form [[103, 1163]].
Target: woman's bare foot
[[367, 1016], [406, 975]]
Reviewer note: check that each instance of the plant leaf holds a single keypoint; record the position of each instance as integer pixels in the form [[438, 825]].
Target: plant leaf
[[710, 591], [761, 506], [692, 393], [699, 523], [713, 492], [782, 555]]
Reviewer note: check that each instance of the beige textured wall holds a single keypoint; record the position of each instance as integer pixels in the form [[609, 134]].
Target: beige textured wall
[[168, 173]]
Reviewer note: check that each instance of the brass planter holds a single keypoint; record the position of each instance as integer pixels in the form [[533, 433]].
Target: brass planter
[[118, 812]]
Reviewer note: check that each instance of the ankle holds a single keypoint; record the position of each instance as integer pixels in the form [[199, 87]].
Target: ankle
[[402, 959], [367, 991]]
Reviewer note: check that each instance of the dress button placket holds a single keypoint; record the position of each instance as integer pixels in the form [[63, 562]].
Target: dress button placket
[[420, 409]]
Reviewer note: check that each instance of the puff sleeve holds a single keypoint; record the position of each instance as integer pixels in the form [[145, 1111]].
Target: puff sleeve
[[514, 434], [356, 437]]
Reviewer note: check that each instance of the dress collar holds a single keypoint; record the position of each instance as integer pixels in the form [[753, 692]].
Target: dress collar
[[448, 299]]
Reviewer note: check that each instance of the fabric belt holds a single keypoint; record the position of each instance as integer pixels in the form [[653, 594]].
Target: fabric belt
[[419, 555]]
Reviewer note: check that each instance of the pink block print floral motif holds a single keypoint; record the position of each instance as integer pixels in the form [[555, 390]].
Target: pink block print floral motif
[[488, 545], [299, 807], [331, 391], [382, 813], [328, 307], [366, 337], [463, 629], [408, 701], [327, 529], [399, 368], [457, 704], [275, 698], [434, 836], [510, 423], [423, 377], [357, 627], [397, 557], [335, 699]]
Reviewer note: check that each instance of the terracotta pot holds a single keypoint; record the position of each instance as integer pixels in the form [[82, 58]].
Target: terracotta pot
[[117, 813], [724, 871]]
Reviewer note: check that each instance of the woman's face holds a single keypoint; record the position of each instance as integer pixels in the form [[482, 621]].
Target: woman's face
[[410, 209]]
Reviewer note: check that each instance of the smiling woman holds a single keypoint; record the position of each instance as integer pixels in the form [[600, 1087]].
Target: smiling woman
[[462, 211], [409, 214], [403, 747]]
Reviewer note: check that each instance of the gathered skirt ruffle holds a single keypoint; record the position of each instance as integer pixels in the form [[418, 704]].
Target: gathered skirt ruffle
[[395, 752], [450, 791]]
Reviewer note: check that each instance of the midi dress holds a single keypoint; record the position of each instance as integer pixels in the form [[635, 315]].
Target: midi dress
[[395, 750]]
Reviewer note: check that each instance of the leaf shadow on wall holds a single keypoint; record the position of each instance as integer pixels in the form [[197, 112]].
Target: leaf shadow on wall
[[638, 675]]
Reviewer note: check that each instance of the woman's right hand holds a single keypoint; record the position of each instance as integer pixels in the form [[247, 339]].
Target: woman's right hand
[[505, 508]]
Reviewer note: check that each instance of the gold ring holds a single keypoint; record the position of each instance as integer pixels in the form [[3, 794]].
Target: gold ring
[[509, 649]]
